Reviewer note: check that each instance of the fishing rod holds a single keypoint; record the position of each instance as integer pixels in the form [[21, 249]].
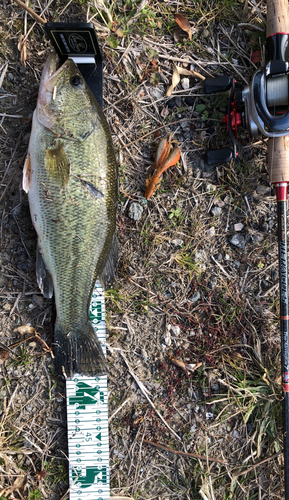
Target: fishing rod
[[263, 107]]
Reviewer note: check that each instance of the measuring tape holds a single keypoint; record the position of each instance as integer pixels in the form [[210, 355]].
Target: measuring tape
[[87, 422]]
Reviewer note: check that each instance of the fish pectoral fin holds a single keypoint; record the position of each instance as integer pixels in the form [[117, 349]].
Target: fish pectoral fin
[[57, 164], [44, 278], [107, 276], [26, 181]]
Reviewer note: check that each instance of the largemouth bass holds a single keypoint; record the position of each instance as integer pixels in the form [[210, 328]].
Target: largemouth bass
[[70, 176]]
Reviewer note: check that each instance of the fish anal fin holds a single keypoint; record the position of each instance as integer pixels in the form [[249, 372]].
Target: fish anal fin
[[107, 276], [26, 181], [57, 164], [44, 278]]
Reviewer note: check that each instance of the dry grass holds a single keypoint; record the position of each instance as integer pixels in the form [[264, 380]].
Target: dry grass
[[227, 409]]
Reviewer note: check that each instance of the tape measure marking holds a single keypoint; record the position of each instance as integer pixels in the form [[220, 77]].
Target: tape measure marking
[[87, 422]]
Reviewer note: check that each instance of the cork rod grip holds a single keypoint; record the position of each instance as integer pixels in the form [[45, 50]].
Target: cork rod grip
[[278, 159], [277, 17]]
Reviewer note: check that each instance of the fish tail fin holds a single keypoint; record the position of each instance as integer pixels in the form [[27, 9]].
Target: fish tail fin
[[78, 351]]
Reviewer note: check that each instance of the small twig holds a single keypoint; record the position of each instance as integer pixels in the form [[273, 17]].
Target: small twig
[[256, 465], [221, 267], [118, 409], [193, 455], [31, 12]]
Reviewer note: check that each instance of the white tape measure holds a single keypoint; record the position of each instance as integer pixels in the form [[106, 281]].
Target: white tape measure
[[87, 422]]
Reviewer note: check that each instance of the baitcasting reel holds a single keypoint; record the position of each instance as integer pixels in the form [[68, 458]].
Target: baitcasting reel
[[261, 107]]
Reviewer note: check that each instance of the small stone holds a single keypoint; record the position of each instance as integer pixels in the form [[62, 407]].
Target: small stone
[[185, 83], [195, 297], [209, 415], [7, 307], [178, 102], [235, 434], [227, 256], [171, 103], [213, 283], [38, 300], [211, 231], [189, 100], [210, 188], [239, 226], [274, 275], [216, 211], [187, 135], [22, 266], [175, 329], [264, 227], [193, 428], [215, 387], [156, 93], [257, 238], [236, 264], [184, 125], [135, 211], [262, 190], [200, 256], [238, 241], [11, 77]]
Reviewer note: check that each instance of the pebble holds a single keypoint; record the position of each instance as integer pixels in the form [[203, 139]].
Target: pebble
[[135, 211], [213, 283], [215, 387], [187, 135], [257, 238], [195, 297], [274, 275], [216, 211], [171, 103], [227, 256], [189, 100], [211, 231], [184, 124], [238, 241], [178, 102], [239, 226], [177, 242], [210, 188], [193, 428], [11, 77], [185, 83], [175, 329]]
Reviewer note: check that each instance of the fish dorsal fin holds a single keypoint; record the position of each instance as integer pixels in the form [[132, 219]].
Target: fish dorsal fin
[[107, 276], [56, 163], [44, 278], [26, 181]]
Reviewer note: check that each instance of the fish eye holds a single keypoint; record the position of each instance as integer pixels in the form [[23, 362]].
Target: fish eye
[[76, 81]]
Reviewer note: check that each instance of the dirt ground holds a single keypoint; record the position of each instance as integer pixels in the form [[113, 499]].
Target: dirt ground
[[195, 306]]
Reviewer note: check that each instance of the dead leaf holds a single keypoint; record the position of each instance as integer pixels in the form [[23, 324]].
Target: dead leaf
[[175, 80], [22, 49], [184, 71], [4, 354], [25, 329], [256, 56], [194, 366], [184, 24], [179, 363], [19, 484], [164, 112]]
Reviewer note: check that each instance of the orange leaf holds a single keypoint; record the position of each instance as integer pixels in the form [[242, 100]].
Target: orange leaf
[[256, 56], [184, 24]]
